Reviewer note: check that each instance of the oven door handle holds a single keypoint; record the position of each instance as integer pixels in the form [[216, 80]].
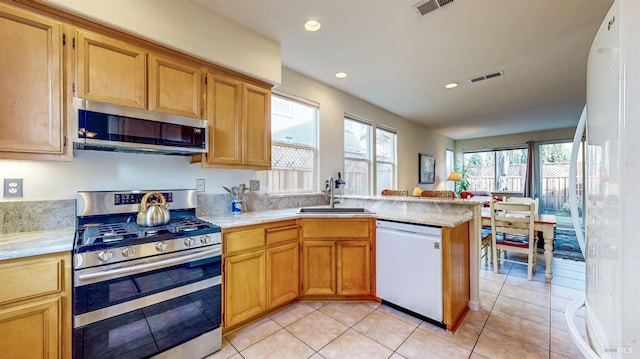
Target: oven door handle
[[150, 266]]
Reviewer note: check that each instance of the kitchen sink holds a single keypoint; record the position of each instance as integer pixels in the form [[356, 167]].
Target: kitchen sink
[[313, 210]]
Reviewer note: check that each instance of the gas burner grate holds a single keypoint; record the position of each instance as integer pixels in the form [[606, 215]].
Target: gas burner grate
[[188, 224], [96, 233], [110, 232]]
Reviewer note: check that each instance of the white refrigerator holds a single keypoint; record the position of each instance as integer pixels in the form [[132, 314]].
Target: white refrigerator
[[612, 189]]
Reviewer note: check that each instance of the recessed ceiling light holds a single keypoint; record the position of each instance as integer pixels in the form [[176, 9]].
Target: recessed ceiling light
[[341, 75], [312, 25], [451, 85]]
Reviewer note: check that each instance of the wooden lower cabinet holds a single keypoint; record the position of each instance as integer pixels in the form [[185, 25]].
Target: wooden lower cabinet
[[319, 268], [353, 267], [261, 270], [31, 330], [244, 287], [35, 307], [282, 274], [337, 257]]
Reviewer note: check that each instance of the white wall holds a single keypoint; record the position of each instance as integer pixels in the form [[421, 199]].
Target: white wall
[[412, 138], [97, 171], [188, 27]]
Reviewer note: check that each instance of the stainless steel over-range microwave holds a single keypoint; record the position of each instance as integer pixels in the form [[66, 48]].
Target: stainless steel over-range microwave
[[109, 127]]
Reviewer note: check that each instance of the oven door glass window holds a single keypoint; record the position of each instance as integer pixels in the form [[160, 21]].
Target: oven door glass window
[[144, 314]]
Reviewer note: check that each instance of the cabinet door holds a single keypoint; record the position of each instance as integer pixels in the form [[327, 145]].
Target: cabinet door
[[30, 83], [256, 126], [110, 71], [224, 95], [32, 330], [354, 267], [244, 287], [319, 268], [282, 274], [174, 86]]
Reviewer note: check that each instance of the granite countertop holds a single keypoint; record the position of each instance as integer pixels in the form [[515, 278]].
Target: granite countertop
[[25, 244], [245, 219]]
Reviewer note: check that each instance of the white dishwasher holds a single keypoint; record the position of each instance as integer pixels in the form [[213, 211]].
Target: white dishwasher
[[409, 269]]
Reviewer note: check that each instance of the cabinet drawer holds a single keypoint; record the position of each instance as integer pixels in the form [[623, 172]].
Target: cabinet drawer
[[336, 228], [282, 235], [24, 279], [243, 240]]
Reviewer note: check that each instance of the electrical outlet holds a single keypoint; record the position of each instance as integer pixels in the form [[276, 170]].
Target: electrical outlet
[[200, 185], [254, 185], [13, 187]]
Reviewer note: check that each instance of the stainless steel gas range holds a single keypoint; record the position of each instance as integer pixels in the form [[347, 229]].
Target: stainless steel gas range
[[145, 291]]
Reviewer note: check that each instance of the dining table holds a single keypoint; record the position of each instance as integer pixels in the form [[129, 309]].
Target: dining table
[[544, 224]]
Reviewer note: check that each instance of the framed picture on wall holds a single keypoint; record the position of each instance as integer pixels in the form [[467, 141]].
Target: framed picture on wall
[[426, 169]]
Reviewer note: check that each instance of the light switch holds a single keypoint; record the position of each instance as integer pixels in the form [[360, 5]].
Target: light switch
[[254, 185], [200, 185], [13, 187]]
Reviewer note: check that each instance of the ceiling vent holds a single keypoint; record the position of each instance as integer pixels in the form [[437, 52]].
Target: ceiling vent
[[487, 76], [425, 7]]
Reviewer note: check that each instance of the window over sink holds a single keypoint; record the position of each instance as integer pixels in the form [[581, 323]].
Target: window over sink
[[294, 145]]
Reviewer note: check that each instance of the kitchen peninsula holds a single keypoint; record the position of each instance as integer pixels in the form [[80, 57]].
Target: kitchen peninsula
[[255, 228], [281, 233]]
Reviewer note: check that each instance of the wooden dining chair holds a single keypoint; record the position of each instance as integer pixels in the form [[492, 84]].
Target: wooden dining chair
[[394, 192], [486, 246], [437, 194], [535, 201], [512, 230]]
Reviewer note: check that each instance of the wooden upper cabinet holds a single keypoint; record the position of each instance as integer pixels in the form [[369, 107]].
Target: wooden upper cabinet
[[31, 86], [239, 115], [224, 101], [256, 126], [109, 70], [175, 86]]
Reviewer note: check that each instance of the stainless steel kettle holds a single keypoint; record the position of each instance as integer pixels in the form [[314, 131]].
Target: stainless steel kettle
[[154, 213]]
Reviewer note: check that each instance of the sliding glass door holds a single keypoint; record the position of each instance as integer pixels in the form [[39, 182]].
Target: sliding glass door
[[555, 161]]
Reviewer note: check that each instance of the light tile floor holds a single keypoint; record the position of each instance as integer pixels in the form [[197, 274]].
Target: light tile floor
[[518, 319]]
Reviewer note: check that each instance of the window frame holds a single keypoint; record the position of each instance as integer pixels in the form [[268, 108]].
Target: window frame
[[369, 160], [494, 150], [315, 149], [394, 163]]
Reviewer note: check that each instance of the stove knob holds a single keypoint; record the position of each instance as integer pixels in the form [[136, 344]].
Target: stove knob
[[188, 242], [161, 246], [205, 239], [128, 252], [105, 255]]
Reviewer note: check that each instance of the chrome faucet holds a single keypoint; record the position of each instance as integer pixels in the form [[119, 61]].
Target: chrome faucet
[[330, 185]]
